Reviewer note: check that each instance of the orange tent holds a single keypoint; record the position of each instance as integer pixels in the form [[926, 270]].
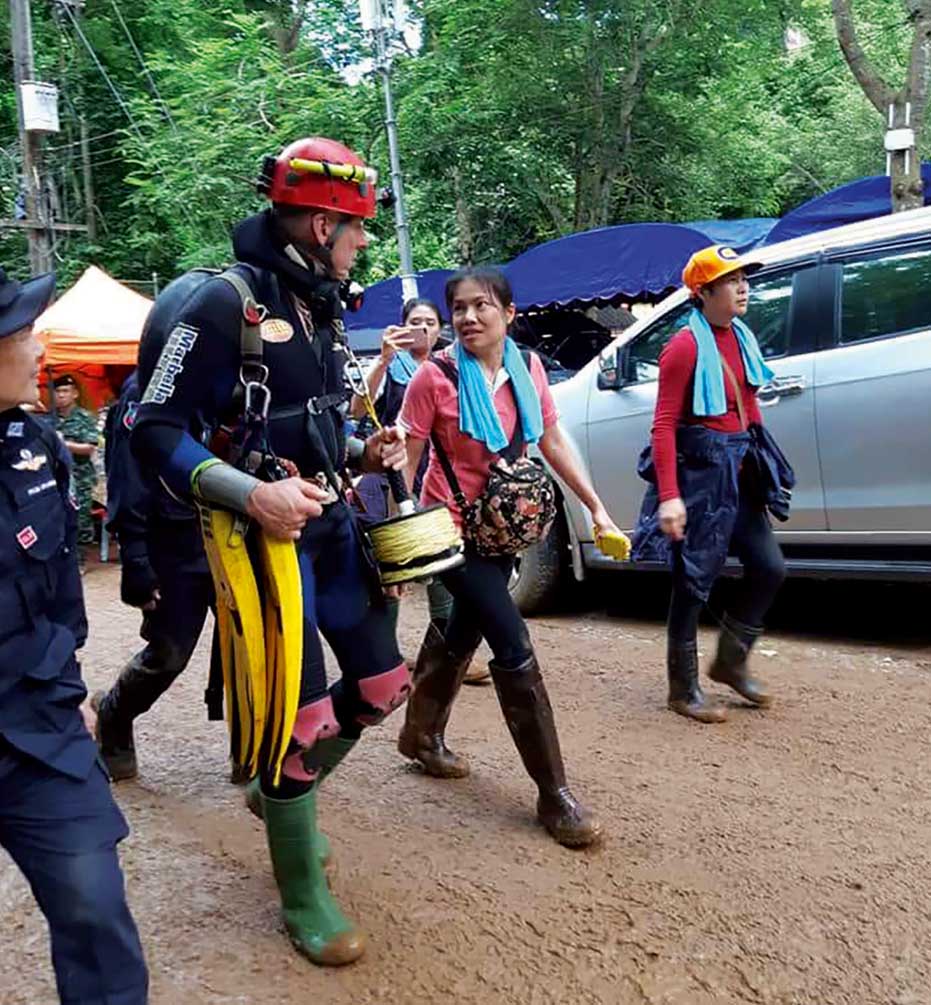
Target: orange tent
[[93, 332]]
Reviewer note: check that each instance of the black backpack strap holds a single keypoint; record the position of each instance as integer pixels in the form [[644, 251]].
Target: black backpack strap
[[250, 333]]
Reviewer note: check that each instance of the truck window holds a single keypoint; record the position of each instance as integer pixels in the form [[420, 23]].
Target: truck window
[[886, 293]]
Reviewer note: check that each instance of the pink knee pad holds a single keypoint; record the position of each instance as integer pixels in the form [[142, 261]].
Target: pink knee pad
[[383, 693], [314, 722]]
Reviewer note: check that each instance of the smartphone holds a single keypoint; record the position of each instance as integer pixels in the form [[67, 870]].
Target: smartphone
[[419, 338]]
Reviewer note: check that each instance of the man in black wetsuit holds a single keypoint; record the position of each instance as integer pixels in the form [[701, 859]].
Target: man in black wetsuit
[[292, 259]]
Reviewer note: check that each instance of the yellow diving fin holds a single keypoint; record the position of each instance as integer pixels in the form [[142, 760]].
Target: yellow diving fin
[[241, 630], [284, 644]]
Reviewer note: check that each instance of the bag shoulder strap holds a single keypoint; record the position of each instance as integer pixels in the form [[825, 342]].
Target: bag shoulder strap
[[516, 447], [741, 411]]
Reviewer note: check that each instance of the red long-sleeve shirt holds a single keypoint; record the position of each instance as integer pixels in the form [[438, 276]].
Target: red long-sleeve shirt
[[674, 400]]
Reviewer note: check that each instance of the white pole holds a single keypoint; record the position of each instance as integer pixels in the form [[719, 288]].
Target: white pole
[[373, 14]]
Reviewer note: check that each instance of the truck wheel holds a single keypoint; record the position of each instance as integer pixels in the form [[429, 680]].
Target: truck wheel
[[540, 572]]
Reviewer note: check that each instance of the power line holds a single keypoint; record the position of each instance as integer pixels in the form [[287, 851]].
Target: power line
[[145, 69], [92, 139], [90, 49]]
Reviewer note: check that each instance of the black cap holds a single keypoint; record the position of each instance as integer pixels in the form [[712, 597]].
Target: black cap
[[22, 303], [65, 380]]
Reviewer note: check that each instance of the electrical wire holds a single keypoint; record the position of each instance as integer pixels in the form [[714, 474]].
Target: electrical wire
[[145, 69], [113, 90]]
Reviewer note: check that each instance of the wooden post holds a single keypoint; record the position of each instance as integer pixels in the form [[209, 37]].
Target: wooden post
[[40, 250]]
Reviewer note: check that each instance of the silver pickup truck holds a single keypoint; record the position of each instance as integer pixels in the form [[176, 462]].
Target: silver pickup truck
[[844, 319]]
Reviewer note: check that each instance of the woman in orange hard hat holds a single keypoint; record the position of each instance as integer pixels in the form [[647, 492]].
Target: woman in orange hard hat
[[717, 475]]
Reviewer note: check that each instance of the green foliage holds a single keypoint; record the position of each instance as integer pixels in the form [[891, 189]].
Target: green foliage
[[519, 120]]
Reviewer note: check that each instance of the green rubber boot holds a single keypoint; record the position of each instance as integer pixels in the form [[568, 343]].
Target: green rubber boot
[[315, 923], [255, 804], [331, 754]]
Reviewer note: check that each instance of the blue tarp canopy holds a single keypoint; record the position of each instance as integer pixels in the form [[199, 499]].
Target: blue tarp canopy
[[858, 200], [598, 265], [741, 235], [633, 260], [383, 301]]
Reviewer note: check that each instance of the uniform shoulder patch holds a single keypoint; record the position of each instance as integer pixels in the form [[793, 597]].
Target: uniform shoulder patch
[[129, 416]]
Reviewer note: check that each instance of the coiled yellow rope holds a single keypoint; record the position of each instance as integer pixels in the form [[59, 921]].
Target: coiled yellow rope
[[417, 544]]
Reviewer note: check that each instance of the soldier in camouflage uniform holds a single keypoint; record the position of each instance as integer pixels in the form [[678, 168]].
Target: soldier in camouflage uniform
[[78, 428]]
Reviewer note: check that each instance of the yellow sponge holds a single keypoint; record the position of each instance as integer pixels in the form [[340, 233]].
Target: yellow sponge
[[615, 546]]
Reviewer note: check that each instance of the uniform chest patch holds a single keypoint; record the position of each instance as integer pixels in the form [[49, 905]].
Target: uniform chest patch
[[14, 430], [276, 330], [27, 537], [29, 461]]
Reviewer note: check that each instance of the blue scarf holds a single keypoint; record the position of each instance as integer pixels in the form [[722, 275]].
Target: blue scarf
[[402, 367], [708, 397], [477, 415]]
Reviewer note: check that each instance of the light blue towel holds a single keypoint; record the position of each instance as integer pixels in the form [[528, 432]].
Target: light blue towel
[[709, 397], [402, 367], [477, 415]]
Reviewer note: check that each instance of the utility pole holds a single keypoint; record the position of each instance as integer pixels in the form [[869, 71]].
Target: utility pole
[[40, 250], [379, 23]]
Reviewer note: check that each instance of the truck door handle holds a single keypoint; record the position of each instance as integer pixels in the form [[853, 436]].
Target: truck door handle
[[781, 387]]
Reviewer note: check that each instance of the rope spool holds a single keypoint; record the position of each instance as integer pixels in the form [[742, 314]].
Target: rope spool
[[416, 545]]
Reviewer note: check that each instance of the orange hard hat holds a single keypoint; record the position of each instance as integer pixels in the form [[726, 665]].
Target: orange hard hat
[[712, 263]]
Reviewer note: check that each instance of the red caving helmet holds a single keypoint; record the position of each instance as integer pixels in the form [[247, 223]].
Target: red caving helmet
[[320, 174]]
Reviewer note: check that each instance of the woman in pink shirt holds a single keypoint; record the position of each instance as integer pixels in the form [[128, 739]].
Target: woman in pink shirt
[[481, 307]]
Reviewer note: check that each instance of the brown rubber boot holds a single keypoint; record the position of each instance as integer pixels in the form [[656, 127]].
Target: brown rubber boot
[[730, 664], [685, 694], [438, 675], [529, 716], [477, 675]]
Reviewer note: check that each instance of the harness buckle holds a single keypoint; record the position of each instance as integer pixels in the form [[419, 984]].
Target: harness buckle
[[256, 389], [253, 373]]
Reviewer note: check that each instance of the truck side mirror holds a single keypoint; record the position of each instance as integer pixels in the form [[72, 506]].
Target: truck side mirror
[[614, 369]]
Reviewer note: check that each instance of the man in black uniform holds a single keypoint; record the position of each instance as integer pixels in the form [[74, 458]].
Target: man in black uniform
[[291, 262], [58, 820], [164, 573]]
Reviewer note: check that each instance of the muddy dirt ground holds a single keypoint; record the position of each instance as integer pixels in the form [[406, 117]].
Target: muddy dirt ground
[[784, 857]]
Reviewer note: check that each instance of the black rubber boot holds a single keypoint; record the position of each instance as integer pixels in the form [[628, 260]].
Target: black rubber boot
[[438, 675], [136, 690], [730, 664], [685, 694], [529, 716]]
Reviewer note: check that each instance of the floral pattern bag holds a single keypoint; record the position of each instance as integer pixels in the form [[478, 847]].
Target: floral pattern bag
[[518, 504]]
